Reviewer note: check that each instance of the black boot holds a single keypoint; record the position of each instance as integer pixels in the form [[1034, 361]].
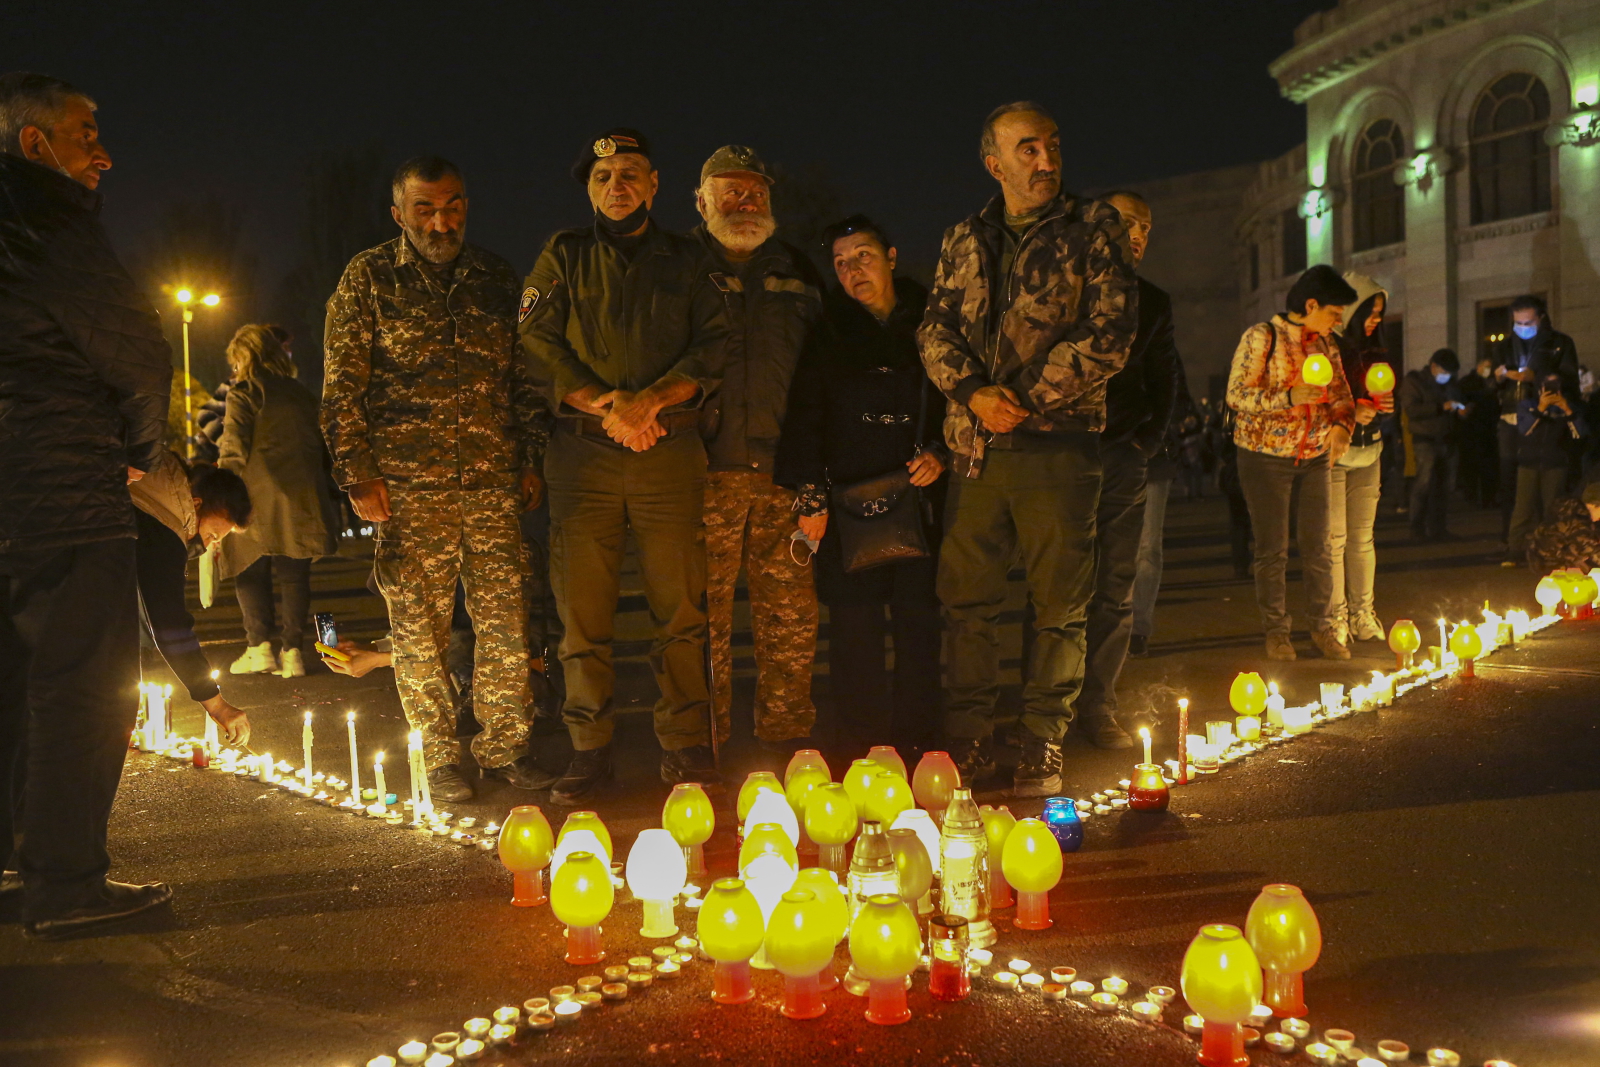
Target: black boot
[[523, 773], [1038, 772], [589, 768], [692, 764], [973, 757], [114, 902], [1102, 731], [448, 783]]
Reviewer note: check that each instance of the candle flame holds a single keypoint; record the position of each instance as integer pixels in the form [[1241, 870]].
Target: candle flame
[[308, 718], [1183, 703], [1144, 731], [380, 757], [349, 716]]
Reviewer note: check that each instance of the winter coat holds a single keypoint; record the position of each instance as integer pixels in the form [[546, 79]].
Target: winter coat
[[1358, 353], [1054, 331], [1548, 440], [1141, 397], [271, 440], [1266, 366], [1549, 352], [163, 494], [774, 300], [1422, 401], [85, 371], [857, 396]]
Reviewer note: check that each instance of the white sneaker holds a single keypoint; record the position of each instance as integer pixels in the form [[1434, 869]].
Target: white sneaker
[[1367, 627], [294, 663], [257, 659]]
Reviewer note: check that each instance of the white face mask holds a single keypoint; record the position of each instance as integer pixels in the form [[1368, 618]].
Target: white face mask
[[64, 171]]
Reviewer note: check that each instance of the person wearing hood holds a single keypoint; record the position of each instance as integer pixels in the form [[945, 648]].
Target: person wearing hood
[[622, 325], [861, 406], [1434, 412], [1355, 481]]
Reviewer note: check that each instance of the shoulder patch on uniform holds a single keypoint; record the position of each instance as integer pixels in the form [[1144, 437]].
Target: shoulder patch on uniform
[[530, 298], [774, 284]]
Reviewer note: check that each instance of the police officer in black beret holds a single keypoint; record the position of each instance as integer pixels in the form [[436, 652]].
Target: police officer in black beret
[[622, 324]]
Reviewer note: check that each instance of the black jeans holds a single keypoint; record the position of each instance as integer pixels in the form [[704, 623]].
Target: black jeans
[[1506, 489], [1119, 528], [69, 675], [862, 685], [253, 586], [1430, 489]]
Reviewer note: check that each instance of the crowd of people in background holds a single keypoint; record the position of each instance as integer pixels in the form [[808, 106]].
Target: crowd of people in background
[[888, 450]]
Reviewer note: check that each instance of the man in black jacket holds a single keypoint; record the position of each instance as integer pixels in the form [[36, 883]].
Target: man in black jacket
[[1434, 412], [774, 299], [84, 380], [1139, 403], [1533, 350]]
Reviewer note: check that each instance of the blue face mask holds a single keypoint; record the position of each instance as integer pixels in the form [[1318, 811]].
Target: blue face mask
[[1443, 378], [1527, 333]]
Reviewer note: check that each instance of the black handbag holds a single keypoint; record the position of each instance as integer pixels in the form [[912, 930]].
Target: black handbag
[[880, 520]]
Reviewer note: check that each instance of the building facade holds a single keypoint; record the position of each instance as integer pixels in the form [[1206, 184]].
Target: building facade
[[1452, 152]]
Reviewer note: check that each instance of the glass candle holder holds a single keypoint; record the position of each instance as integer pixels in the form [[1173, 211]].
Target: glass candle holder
[[1061, 815], [1332, 697], [1219, 733], [1247, 727], [947, 974], [1147, 791]]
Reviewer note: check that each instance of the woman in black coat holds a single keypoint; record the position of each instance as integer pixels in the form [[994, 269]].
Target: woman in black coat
[[861, 406]]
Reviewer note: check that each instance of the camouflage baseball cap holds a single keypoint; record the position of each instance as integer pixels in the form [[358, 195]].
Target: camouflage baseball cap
[[616, 141], [734, 159]]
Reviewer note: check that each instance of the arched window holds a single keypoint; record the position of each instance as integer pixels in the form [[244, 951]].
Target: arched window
[[1510, 161], [1377, 203]]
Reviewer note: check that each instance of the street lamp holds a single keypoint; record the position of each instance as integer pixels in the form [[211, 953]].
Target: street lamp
[[186, 297]]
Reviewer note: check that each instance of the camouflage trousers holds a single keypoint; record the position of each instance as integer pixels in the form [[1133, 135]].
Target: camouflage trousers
[[429, 540], [749, 522]]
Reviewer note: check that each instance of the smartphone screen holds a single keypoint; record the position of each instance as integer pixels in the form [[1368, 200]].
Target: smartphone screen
[[327, 632]]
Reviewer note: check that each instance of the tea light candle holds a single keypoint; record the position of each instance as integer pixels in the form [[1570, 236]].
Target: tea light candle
[[667, 969], [1281, 1043], [1219, 733], [589, 1001], [1032, 981], [447, 1041], [1260, 1016], [1393, 1051], [1020, 966], [1080, 988], [1296, 1028], [616, 972], [1443, 1057], [663, 952], [640, 979], [981, 956], [1193, 1024], [508, 1016], [1063, 975], [1161, 994], [470, 1049], [381, 1061], [589, 983], [686, 944], [614, 991], [563, 993], [1102, 809], [567, 1011], [640, 963], [1104, 1003], [1343, 1040], [1006, 980], [413, 1052], [1318, 1052], [1147, 1010], [439, 1059], [1368, 1061], [1053, 991]]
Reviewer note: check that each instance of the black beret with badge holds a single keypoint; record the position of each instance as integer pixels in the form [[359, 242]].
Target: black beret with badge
[[619, 140]]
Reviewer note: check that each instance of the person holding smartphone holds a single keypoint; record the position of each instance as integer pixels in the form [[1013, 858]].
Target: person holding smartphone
[[1435, 411], [1550, 426]]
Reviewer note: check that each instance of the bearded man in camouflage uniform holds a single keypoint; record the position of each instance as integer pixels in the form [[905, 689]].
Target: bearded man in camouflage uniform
[[1033, 309], [774, 298], [433, 431]]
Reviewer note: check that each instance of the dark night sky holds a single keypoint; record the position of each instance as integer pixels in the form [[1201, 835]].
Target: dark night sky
[[230, 100]]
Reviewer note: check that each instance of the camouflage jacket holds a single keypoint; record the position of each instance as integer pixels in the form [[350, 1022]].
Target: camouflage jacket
[[1053, 331], [1568, 538], [592, 316], [423, 385]]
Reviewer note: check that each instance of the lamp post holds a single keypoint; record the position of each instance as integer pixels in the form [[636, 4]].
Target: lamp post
[[186, 297]]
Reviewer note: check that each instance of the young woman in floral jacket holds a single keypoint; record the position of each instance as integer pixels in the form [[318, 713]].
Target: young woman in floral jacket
[[1288, 432]]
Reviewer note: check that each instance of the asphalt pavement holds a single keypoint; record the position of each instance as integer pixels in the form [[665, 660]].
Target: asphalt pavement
[[1447, 843]]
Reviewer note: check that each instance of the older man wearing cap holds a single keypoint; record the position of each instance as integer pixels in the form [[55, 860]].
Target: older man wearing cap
[[621, 323], [774, 299]]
